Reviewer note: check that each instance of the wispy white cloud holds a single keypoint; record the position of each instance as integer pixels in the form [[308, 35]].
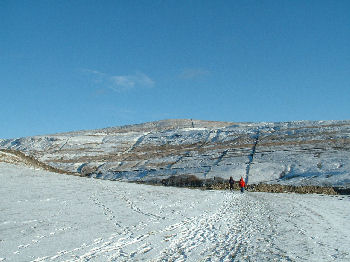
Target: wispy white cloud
[[121, 82], [130, 81], [192, 73], [95, 72]]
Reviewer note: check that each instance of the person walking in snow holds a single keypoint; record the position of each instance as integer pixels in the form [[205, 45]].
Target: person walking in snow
[[231, 181], [242, 184]]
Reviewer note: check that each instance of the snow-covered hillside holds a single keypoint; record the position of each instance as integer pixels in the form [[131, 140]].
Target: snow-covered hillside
[[49, 217], [298, 153]]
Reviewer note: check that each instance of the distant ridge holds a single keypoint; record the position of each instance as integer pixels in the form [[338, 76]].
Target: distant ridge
[[159, 125], [290, 153], [169, 124]]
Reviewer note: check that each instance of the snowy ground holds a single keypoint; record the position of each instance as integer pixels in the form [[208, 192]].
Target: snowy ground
[[51, 217]]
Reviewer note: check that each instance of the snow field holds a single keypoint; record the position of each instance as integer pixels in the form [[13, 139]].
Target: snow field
[[50, 217]]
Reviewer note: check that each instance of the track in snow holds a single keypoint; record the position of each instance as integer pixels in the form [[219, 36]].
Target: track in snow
[[49, 217]]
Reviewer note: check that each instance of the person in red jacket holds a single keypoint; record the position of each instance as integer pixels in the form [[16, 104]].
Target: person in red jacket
[[242, 184]]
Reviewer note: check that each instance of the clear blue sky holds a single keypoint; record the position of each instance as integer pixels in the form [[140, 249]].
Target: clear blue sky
[[72, 65]]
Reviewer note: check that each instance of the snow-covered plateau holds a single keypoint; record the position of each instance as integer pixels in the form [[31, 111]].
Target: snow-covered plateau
[[290, 153], [53, 217]]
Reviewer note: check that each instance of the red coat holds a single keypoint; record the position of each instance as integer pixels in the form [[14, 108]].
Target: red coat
[[241, 183]]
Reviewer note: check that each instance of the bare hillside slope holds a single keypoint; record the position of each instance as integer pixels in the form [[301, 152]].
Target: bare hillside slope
[[296, 153]]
